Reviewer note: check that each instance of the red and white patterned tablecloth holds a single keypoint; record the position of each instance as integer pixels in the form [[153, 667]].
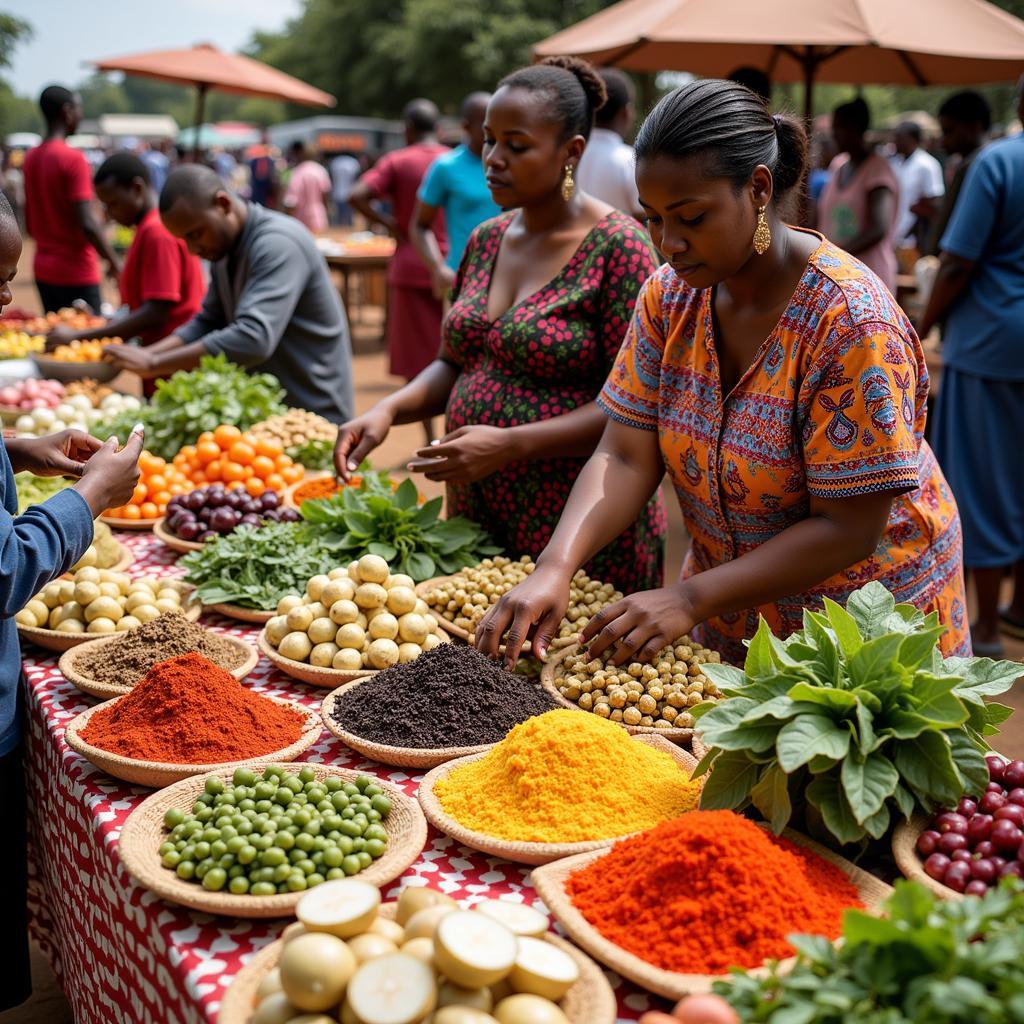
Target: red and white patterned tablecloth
[[124, 956]]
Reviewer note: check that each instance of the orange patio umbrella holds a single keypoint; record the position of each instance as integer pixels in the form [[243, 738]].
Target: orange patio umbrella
[[206, 67], [898, 42]]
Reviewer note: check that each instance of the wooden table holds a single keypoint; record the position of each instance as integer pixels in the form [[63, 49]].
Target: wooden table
[[350, 264]]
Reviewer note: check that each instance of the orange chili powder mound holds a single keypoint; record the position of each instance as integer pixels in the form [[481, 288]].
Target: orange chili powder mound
[[709, 891], [318, 487], [186, 710]]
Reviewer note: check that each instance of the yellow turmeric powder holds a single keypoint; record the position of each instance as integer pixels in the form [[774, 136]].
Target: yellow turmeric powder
[[566, 777]]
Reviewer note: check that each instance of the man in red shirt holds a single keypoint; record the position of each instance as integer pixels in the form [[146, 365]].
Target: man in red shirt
[[414, 314], [162, 282], [58, 193]]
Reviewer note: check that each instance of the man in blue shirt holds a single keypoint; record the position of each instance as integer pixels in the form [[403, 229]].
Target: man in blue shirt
[[36, 548], [455, 183], [979, 289]]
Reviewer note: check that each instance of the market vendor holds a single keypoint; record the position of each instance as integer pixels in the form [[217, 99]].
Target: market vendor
[[35, 548], [162, 282], [271, 305], [540, 306], [777, 382]]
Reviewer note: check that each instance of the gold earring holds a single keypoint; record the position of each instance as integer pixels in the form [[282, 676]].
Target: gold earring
[[568, 184], [762, 233]]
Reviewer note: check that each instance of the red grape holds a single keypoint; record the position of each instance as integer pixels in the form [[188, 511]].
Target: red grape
[[984, 848], [967, 806], [1011, 812], [991, 802], [950, 821], [950, 842], [1013, 775], [976, 888], [984, 870], [1016, 796], [964, 855], [1006, 836], [957, 876], [926, 842], [996, 767], [979, 828], [936, 866], [1013, 868], [994, 787]]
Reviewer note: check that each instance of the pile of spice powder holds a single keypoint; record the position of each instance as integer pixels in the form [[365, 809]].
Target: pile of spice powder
[[186, 710], [124, 661], [566, 777], [451, 696], [709, 891]]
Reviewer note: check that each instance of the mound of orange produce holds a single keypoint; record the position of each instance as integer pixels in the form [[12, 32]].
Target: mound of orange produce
[[83, 351], [233, 458], [160, 481]]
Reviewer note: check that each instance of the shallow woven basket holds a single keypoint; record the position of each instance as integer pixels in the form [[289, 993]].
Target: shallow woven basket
[[144, 831], [240, 614], [172, 540], [550, 675], [524, 853], [401, 757], [54, 640], [550, 882], [66, 371], [306, 673], [590, 1001], [288, 495], [116, 523], [904, 851], [125, 558], [697, 746], [157, 774], [69, 661]]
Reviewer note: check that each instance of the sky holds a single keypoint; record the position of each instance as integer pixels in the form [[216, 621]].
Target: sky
[[68, 32]]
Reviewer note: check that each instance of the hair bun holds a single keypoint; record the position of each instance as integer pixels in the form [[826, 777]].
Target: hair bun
[[792, 161], [586, 74]]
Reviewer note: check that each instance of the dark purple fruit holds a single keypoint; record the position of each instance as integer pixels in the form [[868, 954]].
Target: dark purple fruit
[[957, 876]]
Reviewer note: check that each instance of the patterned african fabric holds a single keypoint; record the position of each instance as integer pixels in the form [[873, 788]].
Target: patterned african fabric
[[544, 357], [833, 405]]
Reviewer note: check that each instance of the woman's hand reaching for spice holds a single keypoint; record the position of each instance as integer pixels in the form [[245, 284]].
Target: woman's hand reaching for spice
[[639, 626], [466, 455], [704, 1009]]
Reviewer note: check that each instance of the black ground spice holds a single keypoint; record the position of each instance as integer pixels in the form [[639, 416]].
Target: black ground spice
[[451, 696], [125, 661]]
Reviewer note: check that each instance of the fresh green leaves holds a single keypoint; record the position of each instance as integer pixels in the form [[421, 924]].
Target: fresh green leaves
[[413, 538], [857, 714], [186, 404], [255, 568], [316, 455], [928, 961]]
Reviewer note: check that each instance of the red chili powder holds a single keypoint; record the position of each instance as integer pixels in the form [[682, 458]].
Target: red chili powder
[[186, 710], [708, 891]]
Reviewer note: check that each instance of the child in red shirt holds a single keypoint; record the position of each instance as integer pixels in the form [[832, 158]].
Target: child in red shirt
[[162, 282]]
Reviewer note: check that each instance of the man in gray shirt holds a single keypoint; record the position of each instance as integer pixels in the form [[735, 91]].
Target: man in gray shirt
[[271, 304]]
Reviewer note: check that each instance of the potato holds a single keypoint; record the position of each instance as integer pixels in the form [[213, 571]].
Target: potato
[[337, 590], [412, 628], [287, 603], [86, 593], [408, 652], [277, 629], [344, 611], [145, 613], [103, 608], [41, 613], [296, 646], [323, 655], [372, 569], [383, 626], [351, 636], [347, 660], [316, 585], [299, 619], [383, 653], [321, 631], [401, 600], [371, 595]]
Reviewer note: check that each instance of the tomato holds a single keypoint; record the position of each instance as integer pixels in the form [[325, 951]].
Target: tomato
[[241, 453], [226, 435], [207, 451], [269, 447], [263, 466], [255, 486], [148, 510]]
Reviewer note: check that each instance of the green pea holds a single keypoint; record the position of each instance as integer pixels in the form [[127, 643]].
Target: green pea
[[262, 875], [166, 848], [282, 872], [346, 845], [373, 790], [296, 883], [381, 804], [332, 785], [226, 861], [314, 879], [247, 854], [339, 800], [239, 886], [189, 852], [285, 840], [264, 806], [272, 857], [376, 832], [307, 774], [362, 782], [273, 771], [350, 865], [307, 867], [241, 794], [211, 835], [186, 869], [375, 848], [263, 889], [350, 790], [292, 782], [350, 829], [283, 796], [333, 857], [228, 832], [300, 800], [373, 816], [173, 817], [294, 856], [325, 806], [171, 859], [348, 814], [202, 849], [244, 827], [358, 845], [244, 777], [334, 873], [304, 841], [202, 867], [214, 785], [264, 842], [226, 800], [218, 848], [319, 842], [236, 871], [365, 860], [206, 814], [312, 828]]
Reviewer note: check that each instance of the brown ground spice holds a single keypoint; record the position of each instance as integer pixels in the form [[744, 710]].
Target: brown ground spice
[[123, 662]]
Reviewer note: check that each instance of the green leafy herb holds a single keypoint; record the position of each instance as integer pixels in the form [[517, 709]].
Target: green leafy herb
[[316, 455], [255, 568], [412, 538], [928, 961], [186, 404], [857, 713]]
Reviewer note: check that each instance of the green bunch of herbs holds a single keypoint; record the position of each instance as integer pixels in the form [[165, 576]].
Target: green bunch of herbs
[[858, 713]]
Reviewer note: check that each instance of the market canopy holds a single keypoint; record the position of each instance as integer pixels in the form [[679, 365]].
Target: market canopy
[[898, 42]]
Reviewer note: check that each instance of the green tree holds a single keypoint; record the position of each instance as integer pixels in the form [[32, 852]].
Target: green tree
[[16, 113]]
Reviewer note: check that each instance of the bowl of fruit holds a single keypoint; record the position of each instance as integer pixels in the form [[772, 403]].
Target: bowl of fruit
[[20, 397], [78, 360]]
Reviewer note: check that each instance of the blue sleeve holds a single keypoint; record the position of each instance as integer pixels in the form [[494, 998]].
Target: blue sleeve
[[975, 212], [434, 189], [39, 546]]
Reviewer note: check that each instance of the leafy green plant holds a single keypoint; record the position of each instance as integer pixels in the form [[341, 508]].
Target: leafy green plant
[[857, 713], [412, 538], [315, 455], [928, 961], [256, 567], [186, 404]]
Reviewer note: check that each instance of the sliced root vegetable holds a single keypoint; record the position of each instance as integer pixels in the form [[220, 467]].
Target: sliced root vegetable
[[315, 969], [542, 970], [389, 929], [418, 897], [343, 907], [422, 949], [369, 946], [395, 989], [423, 923], [527, 1009], [455, 995], [516, 917], [472, 950]]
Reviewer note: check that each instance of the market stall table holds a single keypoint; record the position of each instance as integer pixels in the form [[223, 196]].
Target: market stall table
[[124, 956], [360, 261]]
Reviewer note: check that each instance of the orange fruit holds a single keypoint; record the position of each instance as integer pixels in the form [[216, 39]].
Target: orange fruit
[[187, 451], [255, 486], [197, 480], [207, 436], [130, 512], [275, 482], [161, 498], [213, 470], [157, 482], [263, 466], [292, 474], [282, 460], [268, 446], [140, 492], [182, 488], [232, 471], [148, 510], [207, 451], [226, 435], [242, 453]]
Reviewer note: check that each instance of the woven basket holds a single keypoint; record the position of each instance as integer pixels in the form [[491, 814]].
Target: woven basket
[[116, 523], [550, 882], [904, 851], [69, 661], [157, 774], [288, 495], [550, 675], [125, 558], [144, 831], [54, 640], [240, 614], [697, 746], [590, 1001], [520, 852], [401, 757], [172, 540], [305, 673]]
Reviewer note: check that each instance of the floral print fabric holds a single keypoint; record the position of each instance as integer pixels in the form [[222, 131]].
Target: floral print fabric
[[833, 406], [544, 357]]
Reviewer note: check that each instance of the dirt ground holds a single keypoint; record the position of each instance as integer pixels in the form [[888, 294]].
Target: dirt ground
[[371, 382]]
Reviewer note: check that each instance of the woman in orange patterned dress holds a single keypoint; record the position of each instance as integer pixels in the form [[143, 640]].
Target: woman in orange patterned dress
[[775, 379]]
